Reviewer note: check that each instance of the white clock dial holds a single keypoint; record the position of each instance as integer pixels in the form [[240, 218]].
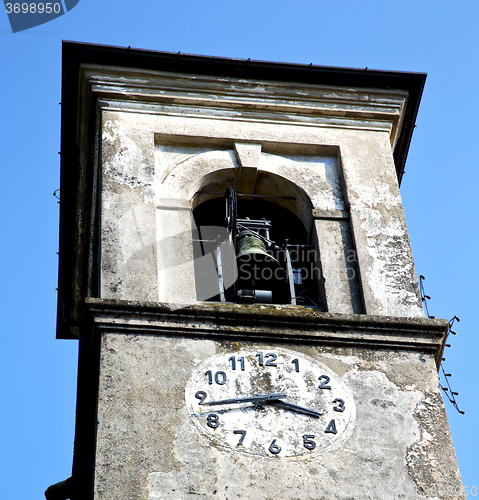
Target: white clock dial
[[270, 402]]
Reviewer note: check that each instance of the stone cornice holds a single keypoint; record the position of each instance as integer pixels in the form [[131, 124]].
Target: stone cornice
[[266, 101], [283, 324]]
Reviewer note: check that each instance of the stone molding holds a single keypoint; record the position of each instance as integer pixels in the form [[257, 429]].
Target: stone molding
[[184, 95], [282, 324]]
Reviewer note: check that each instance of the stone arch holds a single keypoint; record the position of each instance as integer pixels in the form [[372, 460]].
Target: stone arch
[[310, 187], [289, 195], [283, 203], [195, 180]]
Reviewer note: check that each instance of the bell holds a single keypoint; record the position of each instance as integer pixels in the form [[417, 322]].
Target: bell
[[254, 262]]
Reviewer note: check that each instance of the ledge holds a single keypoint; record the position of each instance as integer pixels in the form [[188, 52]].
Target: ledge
[[272, 323]]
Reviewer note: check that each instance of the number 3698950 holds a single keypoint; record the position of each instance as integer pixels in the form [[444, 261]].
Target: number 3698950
[[33, 8]]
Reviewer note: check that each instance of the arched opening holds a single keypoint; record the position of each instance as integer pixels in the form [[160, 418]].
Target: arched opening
[[268, 257]]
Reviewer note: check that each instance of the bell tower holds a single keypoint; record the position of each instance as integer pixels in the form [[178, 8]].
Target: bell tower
[[235, 263]]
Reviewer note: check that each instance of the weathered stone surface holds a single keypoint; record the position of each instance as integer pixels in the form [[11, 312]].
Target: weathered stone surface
[[148, 446]]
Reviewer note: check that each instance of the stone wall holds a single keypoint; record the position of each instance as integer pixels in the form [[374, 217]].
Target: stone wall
[[149, 445]]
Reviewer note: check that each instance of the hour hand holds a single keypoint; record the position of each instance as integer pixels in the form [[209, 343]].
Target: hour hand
[[292, 407], [251, 399]]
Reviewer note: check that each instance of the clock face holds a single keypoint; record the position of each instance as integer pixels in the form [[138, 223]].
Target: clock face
[[270, 403]]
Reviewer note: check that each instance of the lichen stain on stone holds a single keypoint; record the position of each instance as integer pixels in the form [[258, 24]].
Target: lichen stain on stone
[[391, 273], [431, 459], [126, 160]]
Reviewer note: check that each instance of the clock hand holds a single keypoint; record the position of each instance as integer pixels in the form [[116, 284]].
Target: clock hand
[[251, 399], [290, 406]]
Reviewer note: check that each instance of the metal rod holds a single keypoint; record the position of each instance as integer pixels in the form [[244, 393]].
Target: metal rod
[[252, 195], [289, 270], [255, 222], [219, 267]]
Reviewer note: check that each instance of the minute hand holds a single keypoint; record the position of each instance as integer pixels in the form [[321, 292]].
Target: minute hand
[[291, 406], [251, 399]]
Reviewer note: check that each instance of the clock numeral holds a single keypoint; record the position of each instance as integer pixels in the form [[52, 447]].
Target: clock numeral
[[269, 362], [331, 428], [274, 448], [243, 434], [295, 362], [341, 406], [201, 395], [219, 377], [308, 442], [212, 420], [233, 363], [325, 381]]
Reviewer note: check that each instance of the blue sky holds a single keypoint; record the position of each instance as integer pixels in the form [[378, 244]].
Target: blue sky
[[439, 189]]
